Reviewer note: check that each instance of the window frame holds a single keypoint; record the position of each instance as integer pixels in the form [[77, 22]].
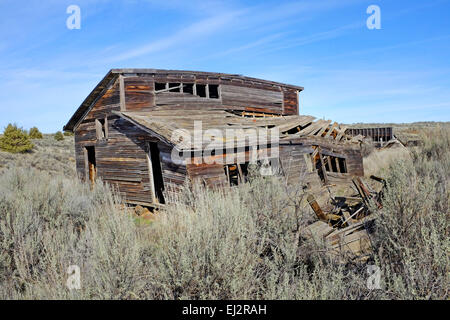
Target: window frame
[[101, 128]]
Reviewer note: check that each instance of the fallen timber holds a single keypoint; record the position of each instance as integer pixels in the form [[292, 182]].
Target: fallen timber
[[345, 229]]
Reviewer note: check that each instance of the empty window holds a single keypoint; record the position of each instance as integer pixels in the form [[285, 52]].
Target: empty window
[[201, 90], [188, 88], [342, 165], [175, 87], [214, 91], [236, 173], [160, 86], [101, 128], [324, 163], [334, 164]]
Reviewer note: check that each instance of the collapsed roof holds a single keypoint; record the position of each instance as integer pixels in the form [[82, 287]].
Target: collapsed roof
[[177, 128]]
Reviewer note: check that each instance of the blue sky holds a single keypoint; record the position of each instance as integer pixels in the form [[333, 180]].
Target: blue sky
[[400, 73]]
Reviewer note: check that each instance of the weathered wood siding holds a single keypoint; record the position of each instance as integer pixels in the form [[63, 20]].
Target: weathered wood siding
[[233, 94], [252, 99], [290, 101], [139, 93], [297, 164], [354, 162], [174, 174], [85, 133], [121, 160], [294, 165], [211, 175]]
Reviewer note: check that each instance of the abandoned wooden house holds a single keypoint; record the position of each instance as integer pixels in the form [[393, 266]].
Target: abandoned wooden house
[[127, 132]]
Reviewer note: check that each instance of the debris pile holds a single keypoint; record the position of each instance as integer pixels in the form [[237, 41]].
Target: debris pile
[[345, 228]]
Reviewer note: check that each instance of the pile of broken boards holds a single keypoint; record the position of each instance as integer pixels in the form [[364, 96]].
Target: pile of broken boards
[[346, 222]]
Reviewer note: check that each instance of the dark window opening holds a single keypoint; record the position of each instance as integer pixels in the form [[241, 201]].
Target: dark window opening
[[175, 86], [160, 86], [157, 177], [201, 90], [236, 173], [327, 163], [91, 164], [334, 167], [318, 165], [334, 164], [188, 88], [294, 130], [342, 165], [214, 91]]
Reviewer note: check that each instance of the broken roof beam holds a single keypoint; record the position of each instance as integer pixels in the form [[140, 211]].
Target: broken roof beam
[[328, 134]]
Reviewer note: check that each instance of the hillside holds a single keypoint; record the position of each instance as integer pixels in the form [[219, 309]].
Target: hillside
[[48, 155]]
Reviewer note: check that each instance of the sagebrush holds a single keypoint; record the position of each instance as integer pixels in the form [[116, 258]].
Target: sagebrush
[[243, 243]]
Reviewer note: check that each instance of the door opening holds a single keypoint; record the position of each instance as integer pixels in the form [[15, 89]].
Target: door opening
[[91, 164], [155, 173]]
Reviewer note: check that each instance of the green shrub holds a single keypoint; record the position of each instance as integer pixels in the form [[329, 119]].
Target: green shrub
[[59, 136], [35, 133], [15, 140], [68, 133]]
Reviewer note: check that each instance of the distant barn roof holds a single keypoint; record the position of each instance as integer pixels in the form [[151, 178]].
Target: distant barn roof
[[114, 73]]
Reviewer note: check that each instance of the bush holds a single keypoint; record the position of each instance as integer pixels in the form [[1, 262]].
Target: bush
[[241, 243], [68, 133], [59, 136], [49, 223], [35, 133], [15, 140], [411, 235]]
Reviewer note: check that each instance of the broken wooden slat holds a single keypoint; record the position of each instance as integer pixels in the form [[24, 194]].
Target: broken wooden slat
[[316, 208]]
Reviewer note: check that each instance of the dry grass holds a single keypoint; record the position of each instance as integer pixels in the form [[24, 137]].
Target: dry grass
[[48, 155], [241, 244], [378, 161]]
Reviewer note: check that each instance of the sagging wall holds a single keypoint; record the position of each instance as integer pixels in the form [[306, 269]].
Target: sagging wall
[[85, 133], [297, 163], [139, 94], [301, 162], [121, 157], [211, 171]]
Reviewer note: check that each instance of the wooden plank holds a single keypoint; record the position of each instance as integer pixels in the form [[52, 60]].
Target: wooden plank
[[122, 93], [150, 174], [325, 178], [316, 208]]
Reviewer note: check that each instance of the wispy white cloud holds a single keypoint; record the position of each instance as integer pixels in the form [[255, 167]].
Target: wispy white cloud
[[42, 61], [188, 34]]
